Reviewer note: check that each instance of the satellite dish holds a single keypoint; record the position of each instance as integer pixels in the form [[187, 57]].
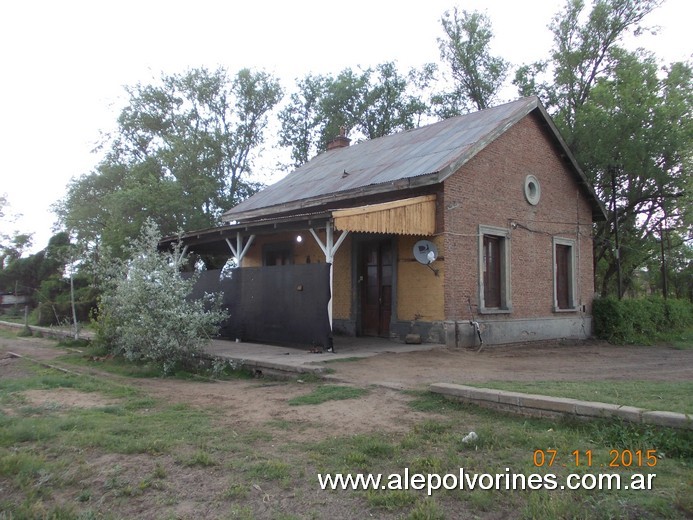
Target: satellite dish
[[425, 252]]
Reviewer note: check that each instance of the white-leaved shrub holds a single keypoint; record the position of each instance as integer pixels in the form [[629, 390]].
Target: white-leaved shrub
[[146, 313]]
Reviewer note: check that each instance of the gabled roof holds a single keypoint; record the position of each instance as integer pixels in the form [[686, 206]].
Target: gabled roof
[[423, 156]]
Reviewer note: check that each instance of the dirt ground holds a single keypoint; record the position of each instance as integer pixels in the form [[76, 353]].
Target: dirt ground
[[243, 405], [257, 401], [585, 361]]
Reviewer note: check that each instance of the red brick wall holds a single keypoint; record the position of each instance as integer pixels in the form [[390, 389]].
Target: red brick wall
[[489, 190]]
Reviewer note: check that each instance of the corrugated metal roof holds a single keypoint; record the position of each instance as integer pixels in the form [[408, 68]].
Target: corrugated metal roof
[[436, 150]]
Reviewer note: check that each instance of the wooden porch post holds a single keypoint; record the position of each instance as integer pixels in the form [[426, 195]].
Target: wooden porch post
[[329, 248], [240, 251]]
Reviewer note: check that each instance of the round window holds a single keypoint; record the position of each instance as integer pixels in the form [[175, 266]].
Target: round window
[[532, 190]]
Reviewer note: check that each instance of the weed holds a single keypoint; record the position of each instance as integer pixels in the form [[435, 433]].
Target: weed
[[271, 470], [235, 491], [159, 471], [200, 458], [426, 509]]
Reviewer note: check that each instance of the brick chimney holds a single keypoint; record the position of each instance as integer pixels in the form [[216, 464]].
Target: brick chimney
[[341, 141]]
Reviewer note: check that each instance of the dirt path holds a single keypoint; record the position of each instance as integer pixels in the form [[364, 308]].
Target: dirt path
[[586, 361], [241, 404]]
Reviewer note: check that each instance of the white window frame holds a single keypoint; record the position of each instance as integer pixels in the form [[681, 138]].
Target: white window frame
[[506, 292], [572, 279]]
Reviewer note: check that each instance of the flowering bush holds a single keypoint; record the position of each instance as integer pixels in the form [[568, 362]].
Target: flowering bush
[[145, 313]]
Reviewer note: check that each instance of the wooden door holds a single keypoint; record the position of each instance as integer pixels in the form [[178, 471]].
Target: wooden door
[[376, 275]]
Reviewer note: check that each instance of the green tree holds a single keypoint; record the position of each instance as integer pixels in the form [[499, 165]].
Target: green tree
[[370, 103], [582, 54], [182, 154], [12, 245], [301, 122], [628, 123], [388, 104], [146, 313], [41, 277], [476, 74]]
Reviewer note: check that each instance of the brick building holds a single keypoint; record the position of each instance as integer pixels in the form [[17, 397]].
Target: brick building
[[495, 196]]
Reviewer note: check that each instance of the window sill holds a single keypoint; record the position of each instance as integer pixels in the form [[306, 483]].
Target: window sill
[[572, 309], [496, 311]]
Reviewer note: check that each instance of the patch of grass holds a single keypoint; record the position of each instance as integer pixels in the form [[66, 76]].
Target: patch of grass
[[428, 464], [426, 509], [271, 470], [673, 396], [424, 401], [290, 425], [137, 425], [256, 436], [201, 458], [48, 379], [668, 442], [390, 500], [309, 377], [159, 471], [235, 491], [364, 452], [326, 393], [7, 333], [680, 341], [97, 358]]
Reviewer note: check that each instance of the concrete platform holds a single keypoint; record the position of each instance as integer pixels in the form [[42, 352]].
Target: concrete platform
[[535, 405], [277, 359]]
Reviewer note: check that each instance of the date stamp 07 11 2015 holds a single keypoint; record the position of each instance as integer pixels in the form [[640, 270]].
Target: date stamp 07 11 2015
[[617, 458]]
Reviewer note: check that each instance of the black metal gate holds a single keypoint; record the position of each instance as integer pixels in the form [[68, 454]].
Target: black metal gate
[[284, 304]]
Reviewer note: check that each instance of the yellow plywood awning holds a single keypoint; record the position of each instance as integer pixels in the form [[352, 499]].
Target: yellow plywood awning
[[413, 216]]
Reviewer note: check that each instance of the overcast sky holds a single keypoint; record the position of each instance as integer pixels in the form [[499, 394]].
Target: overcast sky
[[64, 63]]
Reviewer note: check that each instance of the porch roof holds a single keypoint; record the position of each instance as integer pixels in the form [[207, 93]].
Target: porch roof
[[410, 216], [212, 241]]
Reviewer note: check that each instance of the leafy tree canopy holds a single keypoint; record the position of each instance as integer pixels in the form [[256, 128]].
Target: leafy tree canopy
[[372, 103], [477, 76], [629, 123], [12, 245], [182, 154]]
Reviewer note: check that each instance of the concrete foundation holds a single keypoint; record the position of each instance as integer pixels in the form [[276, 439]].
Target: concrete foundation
[[501, 331]]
